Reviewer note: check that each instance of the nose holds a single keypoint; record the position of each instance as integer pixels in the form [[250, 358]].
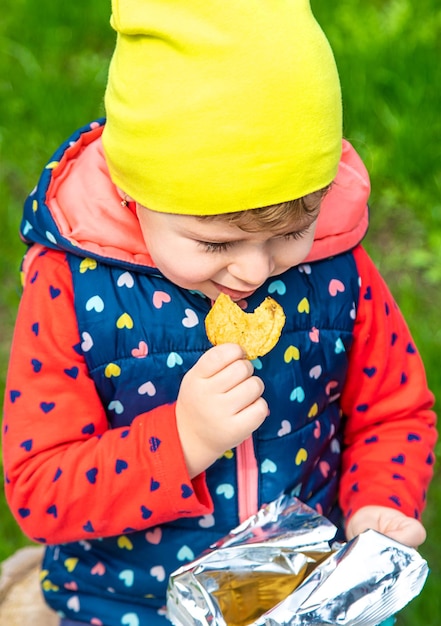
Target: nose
[[253, 266]]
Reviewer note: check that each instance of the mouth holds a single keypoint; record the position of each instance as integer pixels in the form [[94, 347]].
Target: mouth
[[234, 293]]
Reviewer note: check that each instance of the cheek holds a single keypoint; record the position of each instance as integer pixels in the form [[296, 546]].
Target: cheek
[[183, 265], [199, 268], [293, 252]]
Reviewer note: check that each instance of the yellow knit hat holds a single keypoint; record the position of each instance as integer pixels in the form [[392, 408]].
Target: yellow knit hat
[[216, 106]]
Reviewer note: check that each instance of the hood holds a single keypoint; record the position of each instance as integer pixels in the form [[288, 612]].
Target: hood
[[76, 208]]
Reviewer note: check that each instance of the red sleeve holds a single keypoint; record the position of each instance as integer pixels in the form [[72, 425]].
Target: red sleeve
[[390, 431], [68, 476]]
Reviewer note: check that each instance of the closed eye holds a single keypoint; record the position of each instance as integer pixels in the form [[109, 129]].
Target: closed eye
[[222, 246], [297, 234], [215, 246]]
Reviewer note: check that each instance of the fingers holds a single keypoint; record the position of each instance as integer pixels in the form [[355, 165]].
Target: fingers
[[234, 374], [218, 358], [218, 406], [240, 396], [388, 521], [227, 368], [252, 416], [410, 532]]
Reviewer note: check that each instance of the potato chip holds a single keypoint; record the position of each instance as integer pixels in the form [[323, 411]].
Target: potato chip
[[257, 333]]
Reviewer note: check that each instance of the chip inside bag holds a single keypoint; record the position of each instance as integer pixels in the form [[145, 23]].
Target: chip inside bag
[[282, 567]]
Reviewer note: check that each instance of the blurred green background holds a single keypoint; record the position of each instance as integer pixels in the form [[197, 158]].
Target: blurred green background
[[53, 65]]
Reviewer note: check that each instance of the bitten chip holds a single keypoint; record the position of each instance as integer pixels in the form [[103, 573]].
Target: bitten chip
[[257, 333]]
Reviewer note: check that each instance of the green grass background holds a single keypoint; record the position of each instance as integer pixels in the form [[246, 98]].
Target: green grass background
[[53, 65]]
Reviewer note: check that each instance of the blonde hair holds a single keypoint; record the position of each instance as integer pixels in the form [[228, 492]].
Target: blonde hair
[[273, 216]]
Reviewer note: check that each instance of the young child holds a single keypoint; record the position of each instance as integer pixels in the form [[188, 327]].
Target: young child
[[130, 443]]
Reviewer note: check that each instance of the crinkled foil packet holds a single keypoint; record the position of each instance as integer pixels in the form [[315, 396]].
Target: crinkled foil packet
[[282, 568]]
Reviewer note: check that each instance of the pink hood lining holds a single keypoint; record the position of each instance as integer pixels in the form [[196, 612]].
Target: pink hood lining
[[87, 208]]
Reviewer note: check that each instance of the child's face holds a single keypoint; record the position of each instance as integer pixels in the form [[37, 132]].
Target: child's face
[[213, 256]]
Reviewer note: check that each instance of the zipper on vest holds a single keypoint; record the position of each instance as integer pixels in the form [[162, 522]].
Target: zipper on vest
[[247, 479]]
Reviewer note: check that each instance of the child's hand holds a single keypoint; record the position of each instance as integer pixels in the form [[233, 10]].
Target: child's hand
[[219, 405], [388, 521]]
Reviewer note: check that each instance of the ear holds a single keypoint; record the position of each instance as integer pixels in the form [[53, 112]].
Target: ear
[[124, 196]]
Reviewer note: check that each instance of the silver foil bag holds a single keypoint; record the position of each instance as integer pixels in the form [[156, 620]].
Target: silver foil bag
[[281, 568]]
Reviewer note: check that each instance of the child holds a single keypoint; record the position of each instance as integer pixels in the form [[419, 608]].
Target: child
[[131, 444]]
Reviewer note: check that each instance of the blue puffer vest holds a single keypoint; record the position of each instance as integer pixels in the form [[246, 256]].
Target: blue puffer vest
[[297, 448]]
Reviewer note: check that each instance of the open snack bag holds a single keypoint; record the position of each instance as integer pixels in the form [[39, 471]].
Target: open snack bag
[[281, 567]]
